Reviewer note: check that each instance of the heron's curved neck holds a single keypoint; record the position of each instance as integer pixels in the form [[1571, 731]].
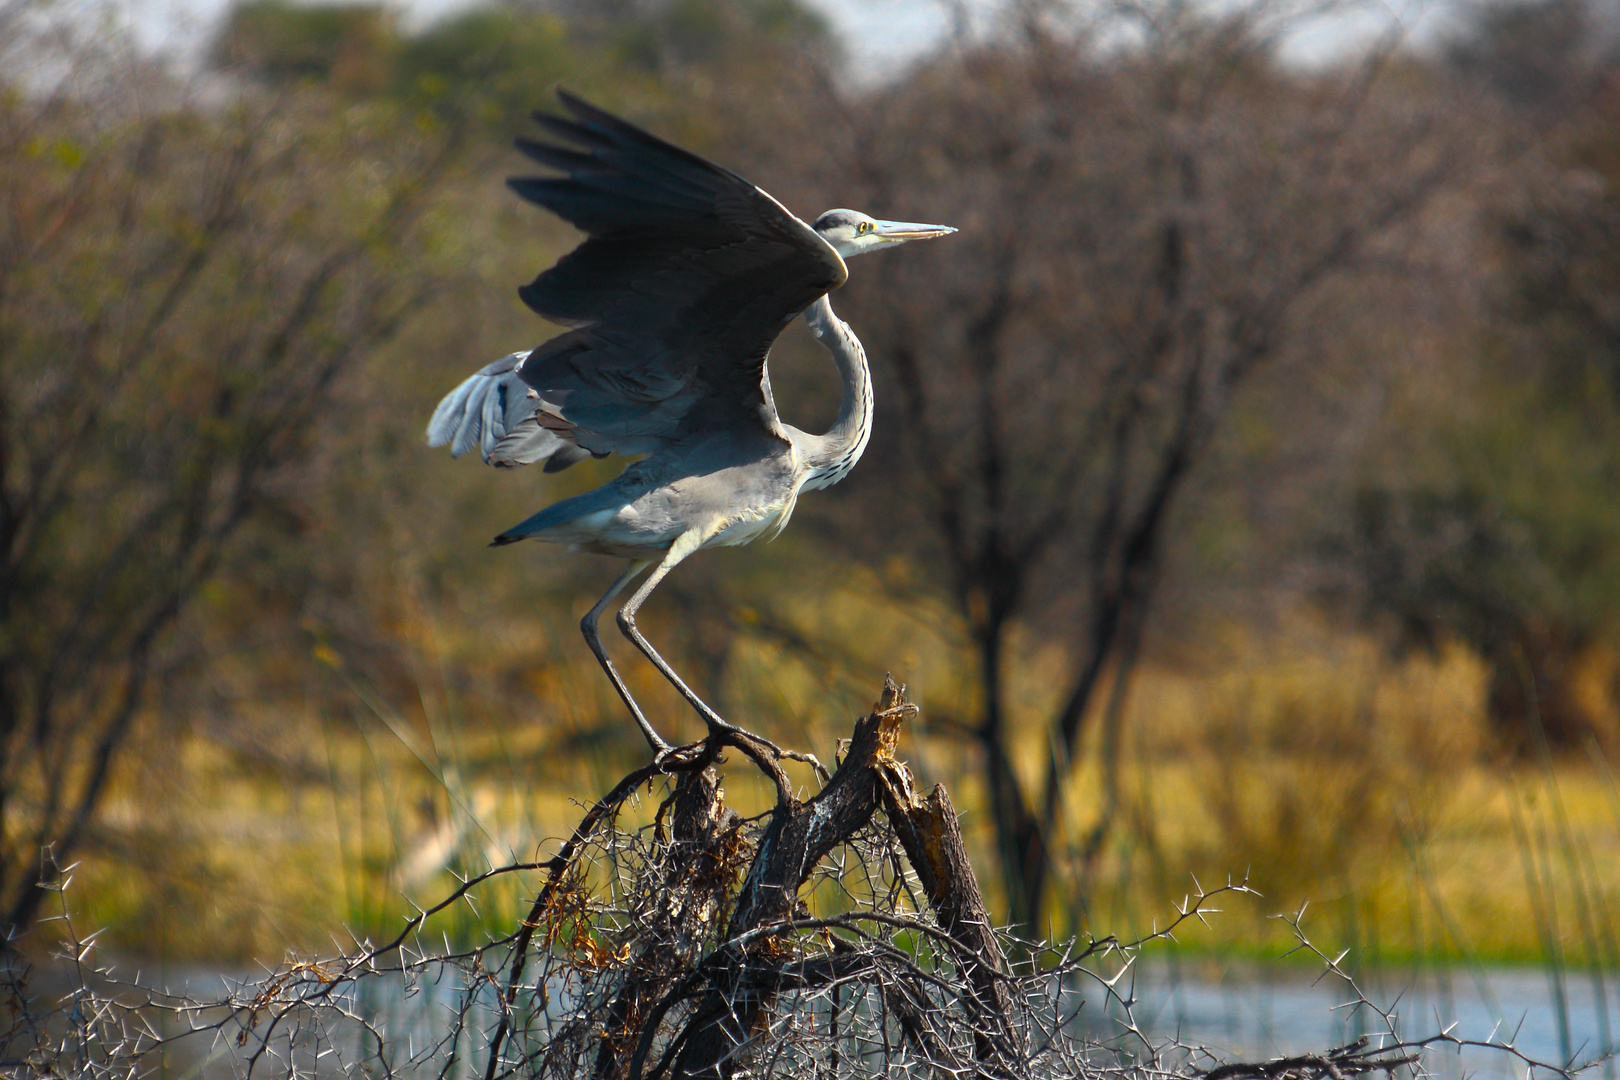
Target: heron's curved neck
[[831, 456]]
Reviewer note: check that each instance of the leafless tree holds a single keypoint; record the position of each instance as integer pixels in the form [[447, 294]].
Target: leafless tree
[[1142, 228], [181, 289]]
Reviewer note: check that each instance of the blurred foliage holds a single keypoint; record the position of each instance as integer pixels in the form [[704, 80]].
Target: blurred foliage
[[500, 59], [1539, 57], [498, 53], [1509, 538], [1143, 238], [179, 294], [281, 41], [1386, 296]]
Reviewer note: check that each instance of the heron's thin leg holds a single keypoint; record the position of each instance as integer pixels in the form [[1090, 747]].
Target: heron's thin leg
[[593, 638], [627, 623]]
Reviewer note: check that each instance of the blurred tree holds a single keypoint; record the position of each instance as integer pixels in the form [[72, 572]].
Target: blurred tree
[[180, 292], [670, 35], [505, 55], [1508, 537], [1539, 56], [1516, 562], [349, 46], [1141, 229], [502, 57]]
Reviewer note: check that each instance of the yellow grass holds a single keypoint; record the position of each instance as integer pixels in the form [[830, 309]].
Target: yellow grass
[[1326, 773]]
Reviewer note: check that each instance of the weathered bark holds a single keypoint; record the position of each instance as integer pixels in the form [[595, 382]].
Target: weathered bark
[[933, 843], [721, 984], [736, 1007], [693, 896]]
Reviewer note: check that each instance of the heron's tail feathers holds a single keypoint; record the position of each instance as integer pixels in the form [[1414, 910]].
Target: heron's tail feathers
[[571, 521]]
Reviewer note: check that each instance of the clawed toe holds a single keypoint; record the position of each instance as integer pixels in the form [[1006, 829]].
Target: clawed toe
[[680, 757]]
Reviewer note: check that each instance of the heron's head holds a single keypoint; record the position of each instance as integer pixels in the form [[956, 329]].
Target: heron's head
[[851, 232]]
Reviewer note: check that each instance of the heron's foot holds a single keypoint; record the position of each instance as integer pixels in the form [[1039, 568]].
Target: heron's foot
[[718, 726], [674, 757], [661, 750]]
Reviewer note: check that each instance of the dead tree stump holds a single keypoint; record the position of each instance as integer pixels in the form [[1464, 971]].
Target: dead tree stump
[[689, 980]]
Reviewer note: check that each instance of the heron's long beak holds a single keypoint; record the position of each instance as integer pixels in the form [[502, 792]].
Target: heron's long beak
[[899, 232]]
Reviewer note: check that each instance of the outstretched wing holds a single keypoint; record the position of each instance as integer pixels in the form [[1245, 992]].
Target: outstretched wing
[[688, 275]]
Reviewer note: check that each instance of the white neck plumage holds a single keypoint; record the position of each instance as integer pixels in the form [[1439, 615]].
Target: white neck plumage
[[829, 457]]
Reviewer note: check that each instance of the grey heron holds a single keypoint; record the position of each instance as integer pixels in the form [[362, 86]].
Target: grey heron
[[687, 276]]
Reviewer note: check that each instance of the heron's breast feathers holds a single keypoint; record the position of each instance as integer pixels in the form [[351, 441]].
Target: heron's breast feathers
[[753, 523]]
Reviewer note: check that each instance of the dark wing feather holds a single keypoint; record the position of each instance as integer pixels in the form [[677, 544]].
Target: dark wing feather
[[688, 275]]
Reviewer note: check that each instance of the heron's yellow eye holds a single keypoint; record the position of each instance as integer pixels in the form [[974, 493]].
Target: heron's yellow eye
[[866, 226]]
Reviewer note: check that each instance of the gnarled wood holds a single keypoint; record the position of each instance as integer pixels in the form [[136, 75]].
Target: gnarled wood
[[735, 1007], [932, 839]]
